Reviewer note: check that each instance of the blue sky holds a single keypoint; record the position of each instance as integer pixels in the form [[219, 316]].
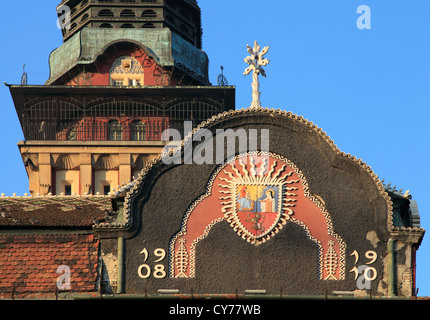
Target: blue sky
[[369, 90]]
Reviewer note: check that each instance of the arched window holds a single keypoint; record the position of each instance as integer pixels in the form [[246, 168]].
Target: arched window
[[149, 14], [106, 13], [148, 25], [114, 130], [127, 13], [137, 131], [84, 17], [127, 25], [105, 25]]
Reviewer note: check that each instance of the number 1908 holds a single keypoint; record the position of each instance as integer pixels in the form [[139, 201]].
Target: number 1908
[[158, 271]]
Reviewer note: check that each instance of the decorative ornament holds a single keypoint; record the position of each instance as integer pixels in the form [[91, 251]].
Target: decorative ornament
[[256, 62]]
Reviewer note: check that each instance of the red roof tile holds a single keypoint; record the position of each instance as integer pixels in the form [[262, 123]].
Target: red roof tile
[[31, 262]]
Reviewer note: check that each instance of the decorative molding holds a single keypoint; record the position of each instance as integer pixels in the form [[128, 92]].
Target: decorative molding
[[65, 162], [106, 162]]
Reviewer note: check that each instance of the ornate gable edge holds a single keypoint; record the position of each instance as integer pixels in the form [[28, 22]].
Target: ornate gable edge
[[130, 190]]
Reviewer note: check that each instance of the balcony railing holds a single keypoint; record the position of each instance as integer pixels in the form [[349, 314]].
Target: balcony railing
[[101, 131]]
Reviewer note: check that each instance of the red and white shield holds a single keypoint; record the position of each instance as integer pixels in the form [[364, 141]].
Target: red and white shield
[[257, 208]]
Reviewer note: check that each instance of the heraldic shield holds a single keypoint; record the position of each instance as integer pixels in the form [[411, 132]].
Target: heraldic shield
[[257, 208]]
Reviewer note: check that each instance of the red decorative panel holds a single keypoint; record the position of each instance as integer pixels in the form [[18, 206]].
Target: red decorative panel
[[258, 194]]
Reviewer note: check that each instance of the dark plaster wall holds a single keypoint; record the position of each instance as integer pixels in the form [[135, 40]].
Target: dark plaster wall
[[288, 262]]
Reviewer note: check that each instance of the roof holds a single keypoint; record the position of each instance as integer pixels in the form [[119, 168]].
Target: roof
[[53, 211], [35, 263], [163, 45]]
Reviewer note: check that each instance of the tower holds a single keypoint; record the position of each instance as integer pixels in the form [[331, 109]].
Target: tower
[[126, 72]]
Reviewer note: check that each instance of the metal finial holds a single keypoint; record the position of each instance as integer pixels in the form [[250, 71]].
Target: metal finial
[[24, 76], [222, 80]]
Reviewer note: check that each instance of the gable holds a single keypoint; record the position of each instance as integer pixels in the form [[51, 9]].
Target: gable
[[337, 221]]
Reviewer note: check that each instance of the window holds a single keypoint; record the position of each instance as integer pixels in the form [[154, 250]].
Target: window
[[114, 130], [106, 13], [148, 25], [117, 83], [127, 13], [137, 131], [149, 14], [127, 26], [106, 189], [84, 17], [72, 134], [68, 190], [105, 25]]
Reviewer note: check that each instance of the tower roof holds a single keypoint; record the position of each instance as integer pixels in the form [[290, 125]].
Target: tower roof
[[180, 16], [166, 48]]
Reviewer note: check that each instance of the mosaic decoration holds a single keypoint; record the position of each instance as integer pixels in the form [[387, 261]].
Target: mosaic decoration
[[257, 194], [126, 64]]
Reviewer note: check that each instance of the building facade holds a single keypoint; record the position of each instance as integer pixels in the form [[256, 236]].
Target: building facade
[[249, 203]]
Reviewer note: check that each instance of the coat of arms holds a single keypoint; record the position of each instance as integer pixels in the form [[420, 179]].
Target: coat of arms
[[261, 200]]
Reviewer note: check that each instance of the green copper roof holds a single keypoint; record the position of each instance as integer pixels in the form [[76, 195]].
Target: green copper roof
[[167, 49]]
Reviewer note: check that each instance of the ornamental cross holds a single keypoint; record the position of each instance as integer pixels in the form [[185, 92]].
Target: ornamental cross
[[256, 62]]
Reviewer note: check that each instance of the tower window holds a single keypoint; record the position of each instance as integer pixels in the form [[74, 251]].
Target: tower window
[[148, 25], [127, 13], [106, 13], [127, 26], [105, 25], [85, 17], [137, 130], [114, 130], [149, 14]]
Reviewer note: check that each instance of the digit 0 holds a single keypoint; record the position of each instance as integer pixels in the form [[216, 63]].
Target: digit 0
[[144, 271]]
